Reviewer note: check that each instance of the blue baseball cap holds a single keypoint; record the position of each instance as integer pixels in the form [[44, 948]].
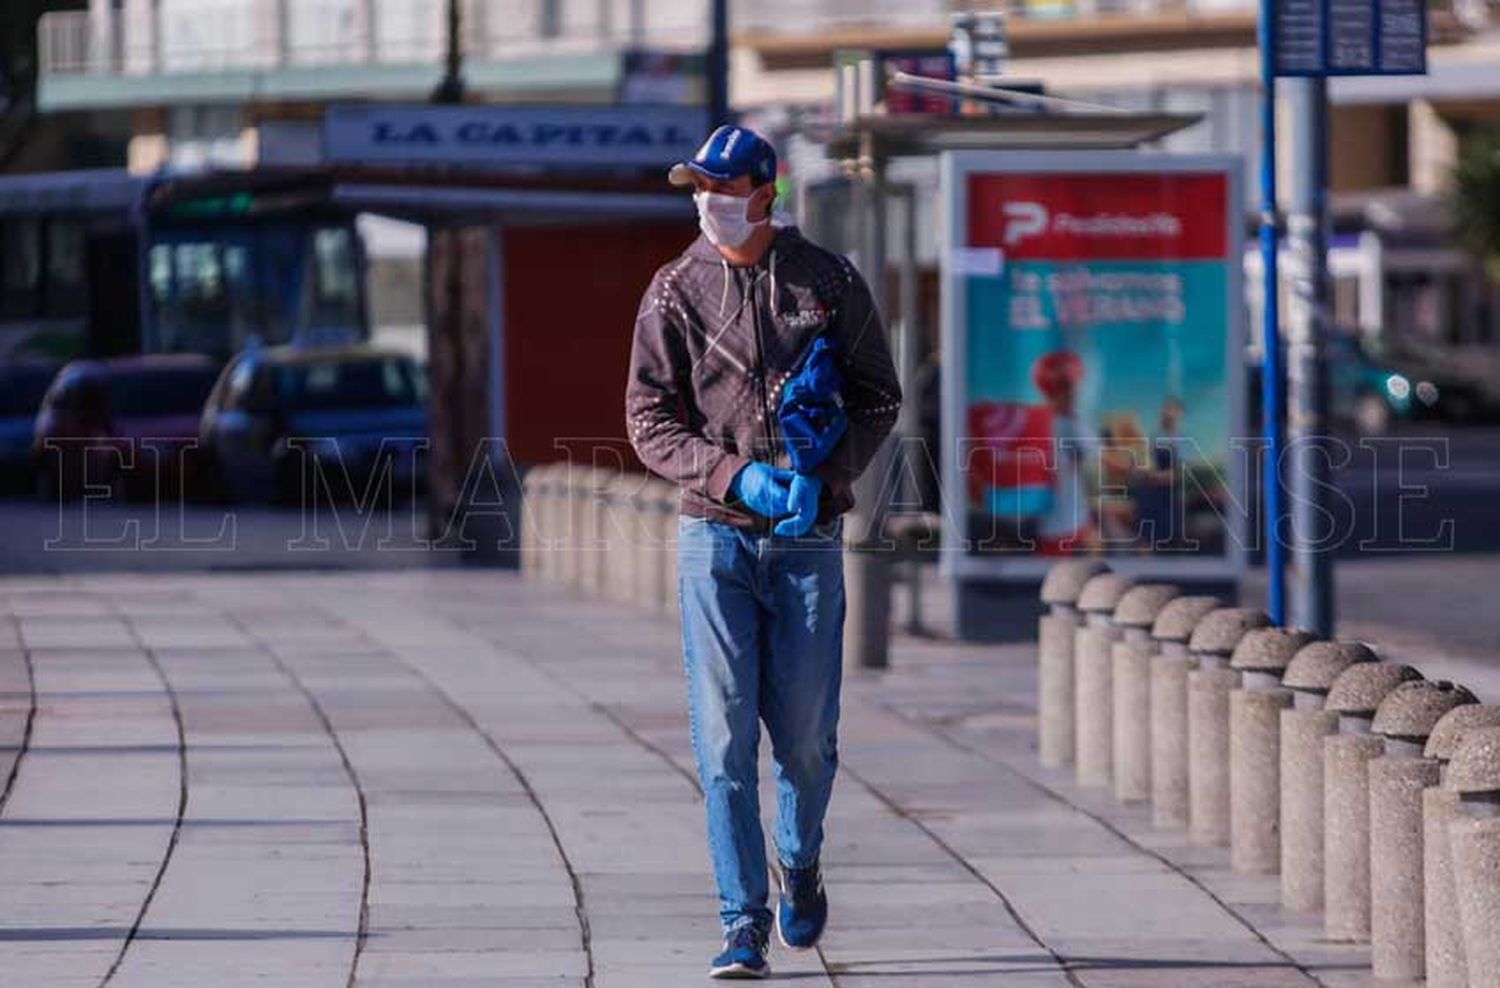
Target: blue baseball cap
[[729, 153]]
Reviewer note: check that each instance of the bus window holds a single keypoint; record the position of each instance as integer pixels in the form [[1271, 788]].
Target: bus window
[[193, 314], [20, 267], [67, 283], [159, 266], [218, 289], [207, 294], [247, 308], [335, 282]]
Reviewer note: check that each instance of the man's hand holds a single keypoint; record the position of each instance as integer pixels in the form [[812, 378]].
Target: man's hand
[[764, 489], [803, 503]]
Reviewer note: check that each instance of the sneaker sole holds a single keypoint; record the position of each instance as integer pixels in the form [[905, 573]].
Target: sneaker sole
[[781, 938], [739, 972]]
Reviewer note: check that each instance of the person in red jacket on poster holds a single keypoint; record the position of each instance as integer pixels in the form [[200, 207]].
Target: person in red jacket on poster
[[1068, 527]]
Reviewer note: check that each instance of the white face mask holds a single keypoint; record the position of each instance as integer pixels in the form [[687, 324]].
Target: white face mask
[[725, 219]]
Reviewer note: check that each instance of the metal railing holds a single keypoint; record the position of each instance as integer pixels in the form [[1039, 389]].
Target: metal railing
[[793, 17], [213, 35], [63, 41]]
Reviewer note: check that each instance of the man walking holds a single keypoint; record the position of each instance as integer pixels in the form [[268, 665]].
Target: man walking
[[722, 330]]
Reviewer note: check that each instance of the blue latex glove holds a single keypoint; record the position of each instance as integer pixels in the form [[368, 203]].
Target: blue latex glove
[[763, 488], [803, 502]]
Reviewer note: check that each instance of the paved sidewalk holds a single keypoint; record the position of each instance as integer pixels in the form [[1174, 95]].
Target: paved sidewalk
[[448, 779]]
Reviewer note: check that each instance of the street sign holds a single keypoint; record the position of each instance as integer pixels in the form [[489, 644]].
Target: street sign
[[540, 136], [1349, 37]]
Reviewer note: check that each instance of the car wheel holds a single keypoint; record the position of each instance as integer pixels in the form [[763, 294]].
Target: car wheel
[[1372, 416]]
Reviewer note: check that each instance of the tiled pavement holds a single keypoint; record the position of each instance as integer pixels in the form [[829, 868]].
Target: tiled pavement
[[454, 779]]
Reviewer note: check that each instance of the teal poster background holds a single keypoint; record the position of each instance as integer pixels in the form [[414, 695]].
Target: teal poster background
[[1128, 366]]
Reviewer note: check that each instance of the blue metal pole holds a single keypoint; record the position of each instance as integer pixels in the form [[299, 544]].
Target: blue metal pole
[[718, 63], [1270, 379], [1309, 480]]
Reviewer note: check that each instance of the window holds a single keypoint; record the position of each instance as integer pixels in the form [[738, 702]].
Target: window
[[335, 281], [67, 280], [237, 390], [20, 267], [160, 391], [218, 289], [187, 283], [366, 383]]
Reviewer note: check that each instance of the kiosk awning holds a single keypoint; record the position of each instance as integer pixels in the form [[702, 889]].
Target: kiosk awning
[[914, 135]]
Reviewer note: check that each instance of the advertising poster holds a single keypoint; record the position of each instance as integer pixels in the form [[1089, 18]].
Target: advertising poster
[[1095, 311]]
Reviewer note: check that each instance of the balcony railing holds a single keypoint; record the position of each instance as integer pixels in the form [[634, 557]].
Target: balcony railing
[[794, 17], [216, 35], [225, 35]]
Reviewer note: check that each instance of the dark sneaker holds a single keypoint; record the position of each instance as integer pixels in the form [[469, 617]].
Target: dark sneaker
[[744, 954], [802, 911]]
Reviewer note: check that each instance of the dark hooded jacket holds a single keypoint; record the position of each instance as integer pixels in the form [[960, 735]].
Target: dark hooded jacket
[[715, 343]]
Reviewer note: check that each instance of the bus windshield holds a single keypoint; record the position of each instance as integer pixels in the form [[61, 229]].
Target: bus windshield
[[216, 289]]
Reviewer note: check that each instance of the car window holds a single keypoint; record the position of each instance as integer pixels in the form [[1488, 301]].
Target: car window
[[385, 382], [160, 391], [237, 389]]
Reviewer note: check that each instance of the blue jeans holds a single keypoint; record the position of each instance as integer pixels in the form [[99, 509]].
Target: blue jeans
[[762, 639]]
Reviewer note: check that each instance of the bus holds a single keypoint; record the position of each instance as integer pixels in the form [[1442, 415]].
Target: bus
[[104, 263]]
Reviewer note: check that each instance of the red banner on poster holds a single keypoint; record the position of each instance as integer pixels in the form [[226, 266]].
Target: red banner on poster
[[1082, 217]]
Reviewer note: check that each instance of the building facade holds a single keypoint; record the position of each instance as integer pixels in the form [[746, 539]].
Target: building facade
[[202, 83]]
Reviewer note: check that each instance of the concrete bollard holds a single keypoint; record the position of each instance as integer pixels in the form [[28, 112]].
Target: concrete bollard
[[617, 572], [575, 494], [650, 565], [1398, 778], [1055, 638], [1169, 692], [541, 495], [1346, 795], [1255, 747], [1310, 675], [1092, 650], [558, 519], [1209, 685], [1442, 925], [671, 601], [529, 497], [1131, 677], [1474, 775], [596, 554]]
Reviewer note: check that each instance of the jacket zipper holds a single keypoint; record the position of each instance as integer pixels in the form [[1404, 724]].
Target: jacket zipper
[[760, 359]]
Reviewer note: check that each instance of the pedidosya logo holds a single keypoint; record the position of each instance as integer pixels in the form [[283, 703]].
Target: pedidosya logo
[[1024, 220]]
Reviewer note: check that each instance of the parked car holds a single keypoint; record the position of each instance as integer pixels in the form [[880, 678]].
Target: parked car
[[22, 385], [280, 415], [1450, 384], [1367, 395], [131, 422]]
